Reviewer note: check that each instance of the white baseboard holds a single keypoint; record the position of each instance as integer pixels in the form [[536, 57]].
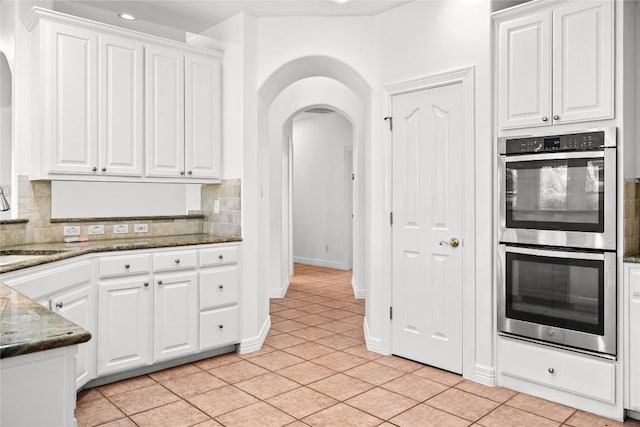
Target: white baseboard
[[373, 344], [357, 293], [320, 263], [485, 375], [252, 344], [279, 293]]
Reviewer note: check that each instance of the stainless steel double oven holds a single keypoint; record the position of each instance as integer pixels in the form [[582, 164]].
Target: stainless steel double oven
[[557, 233]]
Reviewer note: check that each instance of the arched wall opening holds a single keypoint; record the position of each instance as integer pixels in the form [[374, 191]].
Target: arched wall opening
[[298, 85]]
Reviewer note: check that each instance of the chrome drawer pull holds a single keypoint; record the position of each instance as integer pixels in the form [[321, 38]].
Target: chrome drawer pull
[[551, 370], [220, 326], [220, 286]]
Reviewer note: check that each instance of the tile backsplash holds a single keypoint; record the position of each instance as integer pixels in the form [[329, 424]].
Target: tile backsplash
[[34, 205], [227, 221], [631, 217]]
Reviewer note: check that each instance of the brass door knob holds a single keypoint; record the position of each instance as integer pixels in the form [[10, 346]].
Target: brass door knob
[[454, 243]]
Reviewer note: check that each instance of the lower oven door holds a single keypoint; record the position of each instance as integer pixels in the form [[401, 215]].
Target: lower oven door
[[558, 296]]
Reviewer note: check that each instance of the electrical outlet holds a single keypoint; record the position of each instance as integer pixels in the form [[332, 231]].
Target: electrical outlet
[[71, 230], [216, 206], [96, 229], [140, 228], [121, 229]]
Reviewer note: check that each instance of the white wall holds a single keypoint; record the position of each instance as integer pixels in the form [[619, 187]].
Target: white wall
[[320, 218]]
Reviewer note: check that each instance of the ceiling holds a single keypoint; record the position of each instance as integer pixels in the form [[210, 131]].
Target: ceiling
[[198, 15]]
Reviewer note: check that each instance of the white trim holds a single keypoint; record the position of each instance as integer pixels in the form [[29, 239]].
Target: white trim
[[485, 375], [281, 292], [320, 263], [466, 77], [357, 293], [348, 191], [252, 344], [373, 344]]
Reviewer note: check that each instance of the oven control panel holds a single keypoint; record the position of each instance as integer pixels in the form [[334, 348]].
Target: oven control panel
[[568, 142]]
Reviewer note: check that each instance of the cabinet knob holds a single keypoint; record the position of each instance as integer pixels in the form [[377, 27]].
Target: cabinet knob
[[127, 266], [59, 304], [556, 117], [220, 256], [181, 172], [159, 282], [94, 168], [103, 169], [551, 370], [220, 286], [190, 172], [146, 284], [177, 260], [220, 326], [545, 118]]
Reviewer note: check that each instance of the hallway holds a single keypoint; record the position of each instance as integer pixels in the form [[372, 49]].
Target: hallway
[[314, 369]]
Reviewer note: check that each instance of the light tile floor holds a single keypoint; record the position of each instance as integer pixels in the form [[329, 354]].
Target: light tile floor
[[314, 369]]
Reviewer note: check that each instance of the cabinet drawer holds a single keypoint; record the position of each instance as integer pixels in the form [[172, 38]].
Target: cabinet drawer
[[218, 327], [42, 284], [218, 286], [121, 265], [175, 260], [218, 256], [559, 369]]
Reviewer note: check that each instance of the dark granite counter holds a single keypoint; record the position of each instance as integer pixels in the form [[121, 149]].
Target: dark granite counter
[[59, 251], [27, 327], [632, 258]]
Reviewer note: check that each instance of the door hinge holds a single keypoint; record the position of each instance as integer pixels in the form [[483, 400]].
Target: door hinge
[[353, 177], [391, 313], [391, 218], [390, 122]]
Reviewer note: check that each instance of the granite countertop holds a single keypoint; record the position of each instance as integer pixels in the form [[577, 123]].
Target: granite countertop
[[632, 258], [28, 327], [58, 251]]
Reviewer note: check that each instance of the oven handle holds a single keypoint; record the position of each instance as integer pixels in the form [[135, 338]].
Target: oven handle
[[555, 254], [556, 156]]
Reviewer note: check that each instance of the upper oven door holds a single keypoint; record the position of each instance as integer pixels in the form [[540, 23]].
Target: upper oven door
[[559, 199]]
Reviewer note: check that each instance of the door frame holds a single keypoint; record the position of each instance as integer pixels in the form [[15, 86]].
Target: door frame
[[466, 77], [348, 196]]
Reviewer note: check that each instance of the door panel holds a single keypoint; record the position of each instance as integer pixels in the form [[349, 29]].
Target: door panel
[[121, 118], [583, 61], [427, 201]]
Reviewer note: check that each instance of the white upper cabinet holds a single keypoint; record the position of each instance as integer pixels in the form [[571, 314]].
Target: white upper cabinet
[[524, 71], [583, 47], [203, 113], [121, 108], [72, 81], [117, 105], [165, 112], [555, 65]]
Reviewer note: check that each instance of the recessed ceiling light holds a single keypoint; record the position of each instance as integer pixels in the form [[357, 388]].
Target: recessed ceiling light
[[127, 17]]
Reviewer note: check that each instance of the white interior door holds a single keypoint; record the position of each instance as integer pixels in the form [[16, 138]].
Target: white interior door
[[427, 209]]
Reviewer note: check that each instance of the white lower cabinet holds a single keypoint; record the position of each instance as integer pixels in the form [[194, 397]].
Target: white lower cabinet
[[124, 324], [218, 327], [175, 315], [78, 305], [67, 289], [632, 288]]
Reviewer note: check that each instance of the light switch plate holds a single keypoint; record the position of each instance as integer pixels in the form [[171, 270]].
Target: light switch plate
[[140, 228], [71, 230], [96, 229], [121, 229]]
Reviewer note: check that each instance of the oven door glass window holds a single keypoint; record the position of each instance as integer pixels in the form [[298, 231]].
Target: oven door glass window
[[561, 292], [566, 194]]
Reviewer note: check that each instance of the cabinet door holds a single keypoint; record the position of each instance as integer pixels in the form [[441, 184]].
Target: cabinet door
[[124, 324], [203, 116], [524, 71], [164, 71], [74, 100], [633, 278], [79, 306], [175, 318], [121, 106], [583, 46]]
